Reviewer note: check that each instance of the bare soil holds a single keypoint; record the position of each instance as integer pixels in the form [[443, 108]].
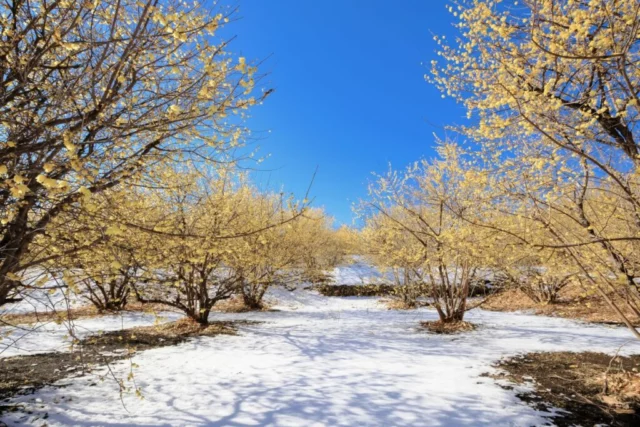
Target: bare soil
[[593, 388]]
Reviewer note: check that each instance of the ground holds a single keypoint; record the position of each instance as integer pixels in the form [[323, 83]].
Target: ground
[[592, 388], [24, 373], [319, 361]]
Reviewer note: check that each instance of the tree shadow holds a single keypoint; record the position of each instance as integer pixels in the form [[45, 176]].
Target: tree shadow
[[350, 366]]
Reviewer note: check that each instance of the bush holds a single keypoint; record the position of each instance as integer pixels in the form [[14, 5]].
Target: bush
[[377, 290]]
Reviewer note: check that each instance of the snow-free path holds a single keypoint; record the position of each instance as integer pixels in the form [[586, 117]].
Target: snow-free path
[[326, 362]]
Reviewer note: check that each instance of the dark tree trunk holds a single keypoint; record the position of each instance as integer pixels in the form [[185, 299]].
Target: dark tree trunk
[[201, 316], [251, 301]]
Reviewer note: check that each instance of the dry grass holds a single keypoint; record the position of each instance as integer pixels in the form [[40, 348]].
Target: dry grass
[[571, 305], [398, 304], [187, 327], [153, 308], [236, 305], [178, 330], [623, 388], [439, 327], [371, 290]]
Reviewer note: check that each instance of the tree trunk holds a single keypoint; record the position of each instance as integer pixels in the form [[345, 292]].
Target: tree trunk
[[250, 301], [252, 296], [202, 316]]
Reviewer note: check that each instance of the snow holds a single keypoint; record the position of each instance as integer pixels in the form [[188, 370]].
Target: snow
[[325, 362], [48, 336], [41, 301], [359, 273]]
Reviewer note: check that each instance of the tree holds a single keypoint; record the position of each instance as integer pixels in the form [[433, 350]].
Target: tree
[[561, 76], [98, 261], [194, 230], [92, 93], [392, 249], [559, 220], [539, 273], [321, 248], [415, 210], [303, 249], [562, 70], [270, 256]]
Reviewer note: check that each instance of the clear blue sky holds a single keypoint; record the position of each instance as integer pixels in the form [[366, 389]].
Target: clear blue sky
[[350, 96]]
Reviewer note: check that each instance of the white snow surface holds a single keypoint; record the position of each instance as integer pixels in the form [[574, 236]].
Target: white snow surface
[[359, 273], [325, 362], [42, 300], [46, 337]]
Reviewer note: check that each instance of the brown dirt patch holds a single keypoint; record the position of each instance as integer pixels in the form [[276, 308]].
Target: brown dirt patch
[[439, 327], [594, 388], [25, 374], [571, 305]]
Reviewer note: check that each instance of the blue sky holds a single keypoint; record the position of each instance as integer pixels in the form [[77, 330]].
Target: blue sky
[[350, 96]]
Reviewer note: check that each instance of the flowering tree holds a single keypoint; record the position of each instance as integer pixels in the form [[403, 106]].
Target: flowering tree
[[193, 231], [297, 251], [412, 215], [554, 88], [269, 257], [93, 92], [99, 258]]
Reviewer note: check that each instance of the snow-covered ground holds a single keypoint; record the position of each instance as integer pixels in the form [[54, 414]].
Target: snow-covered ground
[[360, 273], [48, 336], [325, 362], [41, 301]]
